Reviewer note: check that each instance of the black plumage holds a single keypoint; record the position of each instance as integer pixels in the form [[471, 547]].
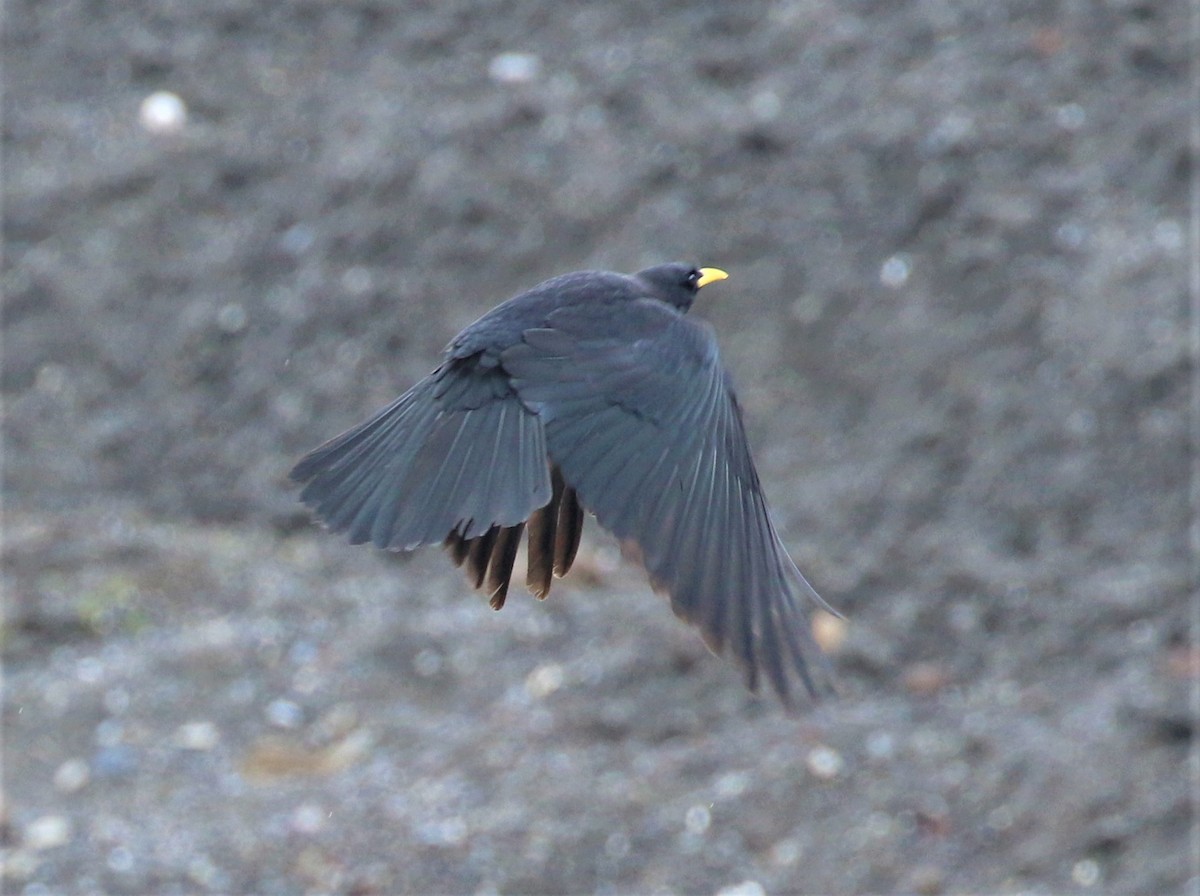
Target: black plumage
[[595, 390]]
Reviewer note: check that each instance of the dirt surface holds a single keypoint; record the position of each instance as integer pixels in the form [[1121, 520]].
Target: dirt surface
[[957, 314]]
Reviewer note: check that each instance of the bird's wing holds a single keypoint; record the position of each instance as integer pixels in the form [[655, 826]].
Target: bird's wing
[[457, 455], [642, 420]]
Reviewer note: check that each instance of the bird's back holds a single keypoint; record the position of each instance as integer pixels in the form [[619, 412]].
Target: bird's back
[[503, 326]]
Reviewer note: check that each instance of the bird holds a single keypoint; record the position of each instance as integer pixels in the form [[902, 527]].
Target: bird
[[593, 392]]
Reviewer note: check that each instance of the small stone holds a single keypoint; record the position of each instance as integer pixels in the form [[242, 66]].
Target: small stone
[[232, 318], [829, 631], [72, 776], [48, 832], [1086, 873], [338, 721], [349, 750], [731, 785], [697, 819], [357, 280], [928, 880], [51, 379], [109, 733], [894, 272], [120, 860], [787, 851], [1070, 116], [202, 871], [766, 105], [308, 818], [285, 714], [1184, 663], [298, 239], [514, 68], [323, 873], [118, 761], [544, 680], [163, 112], [925, 679], [89, 670], [745, 888], [450, 831], [824, 763], [1169, 235], [881, 745], [20, 865], [808, 309], [200, 736]]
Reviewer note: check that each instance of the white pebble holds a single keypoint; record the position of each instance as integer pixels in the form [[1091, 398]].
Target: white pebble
[[447, 832], [51, 379], [732, 784], [895, 271], [881, 745], [514, 68], [787, 851], [89, 670], [745, 888], [1168, 235], [48, 832], [284, 714], [766, 105], [1070, 116], [308, 818], [120, 860], [163, 112], [202, 871], [72, 776], [200, 736], [232, 318], [697, 819], [825, 763], [357, 280], [21, 865], [1086, 873], [544, 680], [1000, 819]]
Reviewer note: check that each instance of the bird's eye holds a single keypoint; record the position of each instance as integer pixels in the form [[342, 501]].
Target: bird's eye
[[693, 277]]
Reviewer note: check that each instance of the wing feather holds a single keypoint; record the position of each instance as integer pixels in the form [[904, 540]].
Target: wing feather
[[640, 417], [457, 453]]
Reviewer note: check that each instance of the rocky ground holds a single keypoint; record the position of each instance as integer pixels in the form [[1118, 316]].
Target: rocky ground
[[957, 236]]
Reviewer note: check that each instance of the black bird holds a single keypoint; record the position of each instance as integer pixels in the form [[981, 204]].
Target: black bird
[[592, 390]]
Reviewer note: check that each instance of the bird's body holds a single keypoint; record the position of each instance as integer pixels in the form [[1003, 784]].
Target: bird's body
[[591, 390]]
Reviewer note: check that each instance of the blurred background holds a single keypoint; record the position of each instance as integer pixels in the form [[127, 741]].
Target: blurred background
[[957, 237]]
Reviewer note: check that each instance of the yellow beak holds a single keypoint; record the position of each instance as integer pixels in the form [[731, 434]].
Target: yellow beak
[[710, 275]]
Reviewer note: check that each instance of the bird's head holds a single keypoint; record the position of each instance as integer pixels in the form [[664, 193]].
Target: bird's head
[[677, 283]]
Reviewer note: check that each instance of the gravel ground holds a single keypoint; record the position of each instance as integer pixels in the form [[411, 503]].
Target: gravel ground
[[957, 314]]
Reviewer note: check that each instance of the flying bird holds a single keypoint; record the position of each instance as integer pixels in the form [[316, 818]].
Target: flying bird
[[591, 391]]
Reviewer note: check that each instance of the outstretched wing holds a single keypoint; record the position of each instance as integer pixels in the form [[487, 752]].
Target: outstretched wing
[[457, 454], [642, 420]]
